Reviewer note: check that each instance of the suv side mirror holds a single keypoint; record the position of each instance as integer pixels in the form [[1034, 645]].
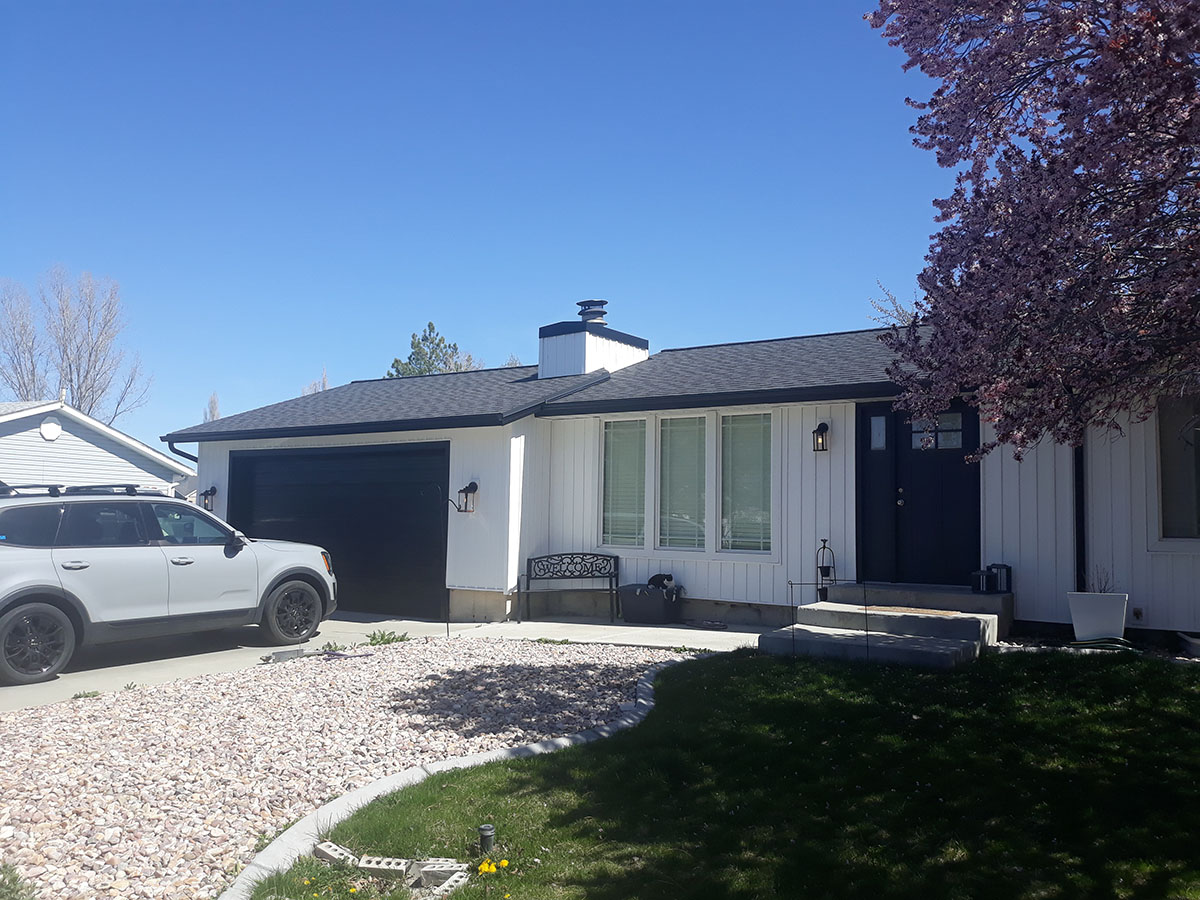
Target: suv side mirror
[[237, 539]]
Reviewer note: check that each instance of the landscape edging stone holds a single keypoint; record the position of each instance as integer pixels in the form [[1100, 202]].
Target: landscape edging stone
[[299, 839]]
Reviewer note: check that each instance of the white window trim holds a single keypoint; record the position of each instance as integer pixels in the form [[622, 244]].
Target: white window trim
[[712, 551], [620, 549], [776, 490], [1155, 542]]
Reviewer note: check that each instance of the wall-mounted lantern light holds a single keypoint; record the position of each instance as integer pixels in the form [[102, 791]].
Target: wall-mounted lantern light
[[206, 497], [821, 437], [466, 498]]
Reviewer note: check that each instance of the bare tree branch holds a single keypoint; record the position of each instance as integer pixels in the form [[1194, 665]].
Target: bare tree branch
[[83, 324], [315, 387], [22, 348]]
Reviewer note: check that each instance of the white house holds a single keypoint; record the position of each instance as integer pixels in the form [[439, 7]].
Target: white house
[[53, 443], [701, 462]]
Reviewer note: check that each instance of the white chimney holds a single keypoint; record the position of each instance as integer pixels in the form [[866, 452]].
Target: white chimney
[[586, 345]]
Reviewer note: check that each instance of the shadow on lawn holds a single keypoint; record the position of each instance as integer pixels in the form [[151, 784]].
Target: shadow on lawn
[[489, 699], [1022, 776]]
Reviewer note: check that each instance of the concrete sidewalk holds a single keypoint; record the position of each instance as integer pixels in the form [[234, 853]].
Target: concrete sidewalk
[[113, 666]]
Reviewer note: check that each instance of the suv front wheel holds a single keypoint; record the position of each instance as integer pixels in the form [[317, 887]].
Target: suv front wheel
[[292, 613], [36, 643]]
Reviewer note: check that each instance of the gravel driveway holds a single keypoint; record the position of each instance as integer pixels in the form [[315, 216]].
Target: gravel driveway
[[162, 791]]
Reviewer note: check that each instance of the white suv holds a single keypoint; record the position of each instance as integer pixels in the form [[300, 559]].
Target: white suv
[[92, 565]]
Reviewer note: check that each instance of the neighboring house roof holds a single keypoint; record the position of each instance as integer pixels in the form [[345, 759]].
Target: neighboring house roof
[[7, 407], [11, 411], [845, 365], [840, 366], [450, 400]]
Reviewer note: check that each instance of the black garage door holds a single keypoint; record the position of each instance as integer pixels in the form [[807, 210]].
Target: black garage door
[[379, 511]]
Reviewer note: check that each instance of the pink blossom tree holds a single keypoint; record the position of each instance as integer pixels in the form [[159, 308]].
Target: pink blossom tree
[[1063, 290]]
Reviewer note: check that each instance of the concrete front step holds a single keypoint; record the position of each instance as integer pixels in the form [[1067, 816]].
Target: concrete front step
[[922, 596], [845, 643], [900, 620]]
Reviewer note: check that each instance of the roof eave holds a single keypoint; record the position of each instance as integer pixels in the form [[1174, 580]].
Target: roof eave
[[250, 434], [860, 391]]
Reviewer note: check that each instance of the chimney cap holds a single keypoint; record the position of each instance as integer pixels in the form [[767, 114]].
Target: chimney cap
[[592, 310]]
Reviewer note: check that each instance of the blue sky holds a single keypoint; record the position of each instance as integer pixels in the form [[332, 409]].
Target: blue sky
[[281, 187]]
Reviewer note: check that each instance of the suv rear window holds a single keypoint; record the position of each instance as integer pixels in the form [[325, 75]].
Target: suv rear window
[[30, 526]]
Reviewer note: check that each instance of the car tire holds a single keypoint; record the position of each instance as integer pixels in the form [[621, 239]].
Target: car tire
[[37, 641], [292, 613]]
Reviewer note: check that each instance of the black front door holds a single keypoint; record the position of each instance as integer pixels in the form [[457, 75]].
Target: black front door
[[918, 510], [380, 512]]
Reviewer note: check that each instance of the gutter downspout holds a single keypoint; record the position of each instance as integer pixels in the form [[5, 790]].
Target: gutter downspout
[[183, 453], [1080, 522]]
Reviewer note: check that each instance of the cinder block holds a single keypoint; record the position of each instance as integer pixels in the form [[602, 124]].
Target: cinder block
[[457, 880], [385, 866], [436, 873], [331, 852]]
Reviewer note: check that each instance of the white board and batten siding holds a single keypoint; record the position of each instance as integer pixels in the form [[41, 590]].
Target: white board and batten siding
[[478, 557], [1028, 511], [812, 498], [78, 455], [1029, 523], [1124, 538]]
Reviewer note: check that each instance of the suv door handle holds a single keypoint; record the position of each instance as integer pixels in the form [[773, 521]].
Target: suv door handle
[[75, 564], [182, 561]]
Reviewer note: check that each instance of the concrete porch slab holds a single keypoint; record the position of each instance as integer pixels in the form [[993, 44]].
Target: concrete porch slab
[[847, 644], [927, 596], [902, 620]]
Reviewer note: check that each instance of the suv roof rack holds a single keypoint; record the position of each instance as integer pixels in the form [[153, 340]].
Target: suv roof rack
[[58, 490], [131, 489], [53, 490]]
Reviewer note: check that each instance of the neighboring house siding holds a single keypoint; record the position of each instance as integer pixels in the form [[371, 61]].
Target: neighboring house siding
[[477, 555], [78, 456], [812, 498], [1124, 533], [1028, 511]]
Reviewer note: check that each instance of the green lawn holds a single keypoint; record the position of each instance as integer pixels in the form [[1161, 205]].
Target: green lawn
[[1022, 776]]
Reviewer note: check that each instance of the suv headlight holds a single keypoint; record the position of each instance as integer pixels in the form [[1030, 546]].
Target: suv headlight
[[328, 562]]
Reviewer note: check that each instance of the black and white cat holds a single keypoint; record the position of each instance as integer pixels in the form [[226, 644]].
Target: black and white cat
[[665, 582]]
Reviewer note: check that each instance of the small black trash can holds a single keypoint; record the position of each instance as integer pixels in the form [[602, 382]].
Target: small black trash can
[[647, 605]]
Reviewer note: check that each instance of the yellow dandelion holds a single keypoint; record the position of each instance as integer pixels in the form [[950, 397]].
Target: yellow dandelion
[[503, 863]]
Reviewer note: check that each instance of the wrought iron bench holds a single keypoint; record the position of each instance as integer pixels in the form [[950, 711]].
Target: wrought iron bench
[[570, 566]]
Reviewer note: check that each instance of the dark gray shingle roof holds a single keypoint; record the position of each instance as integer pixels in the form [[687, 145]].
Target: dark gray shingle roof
[[846, 365], [459, 399], [815, 367]]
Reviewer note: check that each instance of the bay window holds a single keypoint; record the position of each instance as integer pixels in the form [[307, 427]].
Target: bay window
[[681, 483], [624, 500], [746, 482], [1179, 466]]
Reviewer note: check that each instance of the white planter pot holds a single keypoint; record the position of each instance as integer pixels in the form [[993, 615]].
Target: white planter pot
[[1097, 616]]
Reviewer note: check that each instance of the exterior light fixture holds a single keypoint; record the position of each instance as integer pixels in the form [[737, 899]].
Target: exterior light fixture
[[206, 497], [466, 498], [821, 438]]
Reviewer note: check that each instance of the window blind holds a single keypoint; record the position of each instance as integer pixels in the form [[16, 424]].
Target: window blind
[[746, 482], [624, 506], [681, 483]]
